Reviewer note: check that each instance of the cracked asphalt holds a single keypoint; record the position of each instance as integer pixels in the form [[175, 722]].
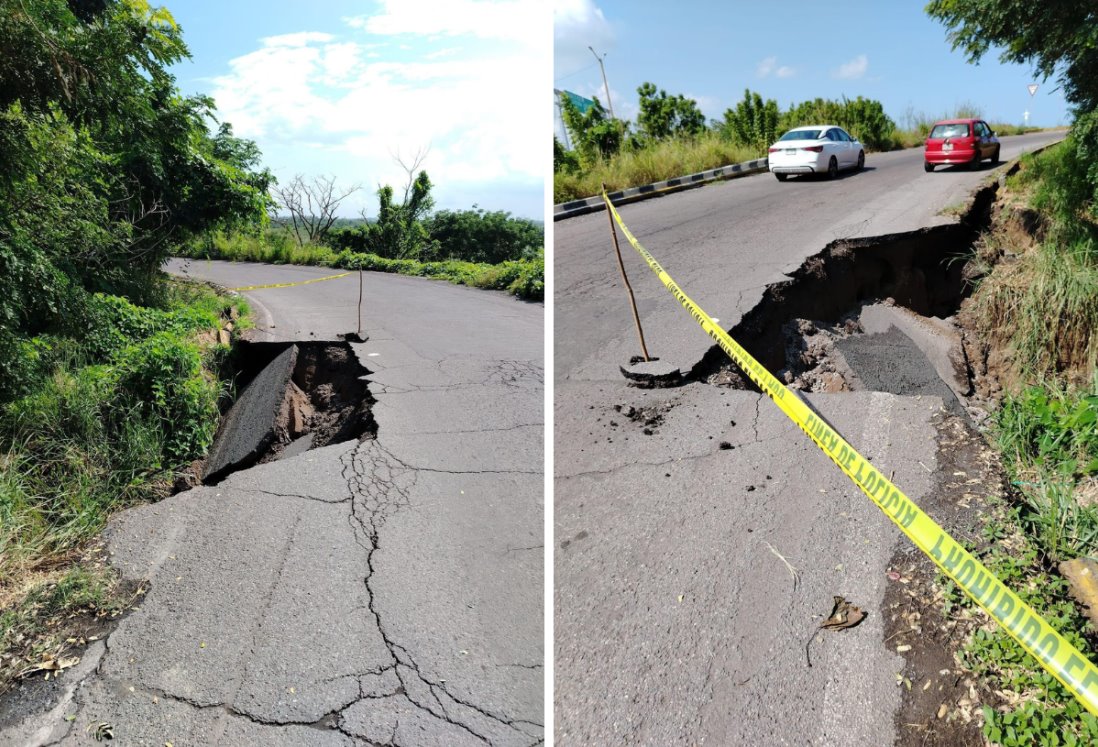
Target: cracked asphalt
[[696, 556], [383, 592]]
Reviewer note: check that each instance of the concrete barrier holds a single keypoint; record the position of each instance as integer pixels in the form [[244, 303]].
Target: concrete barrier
[[634, 194]]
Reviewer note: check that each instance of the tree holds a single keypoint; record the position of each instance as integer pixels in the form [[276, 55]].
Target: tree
[[863, 118], [312, 205], [1058, 37], [480, 236], [663, 116], [399, 230], [595, 135], [105, 167], [753, 123]]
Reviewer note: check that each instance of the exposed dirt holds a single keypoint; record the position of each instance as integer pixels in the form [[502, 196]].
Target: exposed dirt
[[328, 397], [941, 702], [326, 401], [26, 667], [913, 270]]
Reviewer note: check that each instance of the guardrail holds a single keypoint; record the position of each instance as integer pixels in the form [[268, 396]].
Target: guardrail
[[633, 194]]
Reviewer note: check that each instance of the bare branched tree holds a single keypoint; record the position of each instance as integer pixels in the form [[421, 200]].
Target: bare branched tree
[[411, 168], [312, 205]]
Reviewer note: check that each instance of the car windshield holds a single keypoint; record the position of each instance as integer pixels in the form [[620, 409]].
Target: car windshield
[[801, 135], [949, 130]]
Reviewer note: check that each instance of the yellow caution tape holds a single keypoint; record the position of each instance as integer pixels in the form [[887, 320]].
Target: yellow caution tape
[[287, 285], [1036, 636]]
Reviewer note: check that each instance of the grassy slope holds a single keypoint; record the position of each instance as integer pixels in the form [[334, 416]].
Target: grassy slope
[[1039, 307], [113, 417]]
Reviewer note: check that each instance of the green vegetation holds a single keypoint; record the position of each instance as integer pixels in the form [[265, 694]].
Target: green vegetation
[[1039, 710], [663, 160], [1041, 307], [471, 247], [672, 138], [99, 425], [108, 373], [524, 277]]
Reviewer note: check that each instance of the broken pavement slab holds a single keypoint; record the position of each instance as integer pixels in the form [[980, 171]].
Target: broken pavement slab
[[652, 373], [250, 425]]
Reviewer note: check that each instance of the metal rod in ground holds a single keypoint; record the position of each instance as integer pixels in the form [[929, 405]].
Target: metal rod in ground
[[360, 303], [628, 287]]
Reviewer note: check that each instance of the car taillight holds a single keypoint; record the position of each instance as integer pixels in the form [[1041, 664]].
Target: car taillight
[[773, 150], [814, 148]]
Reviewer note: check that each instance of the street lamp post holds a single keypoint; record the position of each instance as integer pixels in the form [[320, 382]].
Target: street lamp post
[[605, 85]]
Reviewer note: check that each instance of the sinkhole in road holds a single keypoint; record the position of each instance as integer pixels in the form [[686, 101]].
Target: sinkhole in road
[[292, 397], [866, 314]]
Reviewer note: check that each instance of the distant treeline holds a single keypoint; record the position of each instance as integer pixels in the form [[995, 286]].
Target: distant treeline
[[473, 235]]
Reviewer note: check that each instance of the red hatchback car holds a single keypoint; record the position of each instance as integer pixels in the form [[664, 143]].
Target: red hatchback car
[[960, 141]]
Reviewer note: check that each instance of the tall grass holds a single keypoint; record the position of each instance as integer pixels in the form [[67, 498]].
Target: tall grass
[[116, 413], [1042, 308], [665, 159]]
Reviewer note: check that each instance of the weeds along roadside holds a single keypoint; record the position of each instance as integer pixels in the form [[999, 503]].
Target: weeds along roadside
[[1035, 312], [524, 278], [668, 159], [109, 422]]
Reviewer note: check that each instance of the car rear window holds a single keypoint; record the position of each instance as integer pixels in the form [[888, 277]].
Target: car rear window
[[949, 130], [801, 135]]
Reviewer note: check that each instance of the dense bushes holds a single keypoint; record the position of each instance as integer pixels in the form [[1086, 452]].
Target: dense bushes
[[524, 278], [102, 423], [473, 235], [104, 166]]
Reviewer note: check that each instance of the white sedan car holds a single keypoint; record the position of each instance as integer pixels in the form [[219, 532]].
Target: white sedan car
[[815, 149]]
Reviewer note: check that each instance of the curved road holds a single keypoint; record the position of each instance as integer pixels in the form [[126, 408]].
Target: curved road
[[382, 592], [677, 620]]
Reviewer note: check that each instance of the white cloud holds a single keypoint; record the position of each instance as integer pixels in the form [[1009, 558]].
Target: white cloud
[[769, 66], [356, 103], [856, 68], [577, 25], [514, 20]]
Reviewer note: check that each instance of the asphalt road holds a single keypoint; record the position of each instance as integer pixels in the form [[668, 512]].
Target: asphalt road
[[724, 243], [382, 592], [680, 514]]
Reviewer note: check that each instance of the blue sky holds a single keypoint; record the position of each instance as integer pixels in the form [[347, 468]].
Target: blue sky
[[888, 50], [341, 87]]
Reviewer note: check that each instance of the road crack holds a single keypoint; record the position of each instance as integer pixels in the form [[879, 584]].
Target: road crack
[[380, 486]]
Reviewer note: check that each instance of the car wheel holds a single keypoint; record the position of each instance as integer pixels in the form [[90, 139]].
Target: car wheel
[[928, 166], [974, 164], [833, 168], [995, 158], [861, 160], [781, 177]]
